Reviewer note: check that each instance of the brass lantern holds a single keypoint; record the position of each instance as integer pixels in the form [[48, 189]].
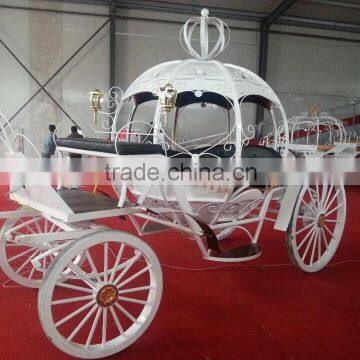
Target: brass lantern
[[96, 101], [167, 98]]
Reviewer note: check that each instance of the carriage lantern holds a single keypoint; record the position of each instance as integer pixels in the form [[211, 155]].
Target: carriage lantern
[[96, 100], [167, 99]]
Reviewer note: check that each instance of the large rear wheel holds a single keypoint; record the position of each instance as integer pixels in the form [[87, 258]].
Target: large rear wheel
[[317, 226]]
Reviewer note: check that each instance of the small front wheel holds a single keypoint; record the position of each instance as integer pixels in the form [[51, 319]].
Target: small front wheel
[[104, 304], [316, 227]]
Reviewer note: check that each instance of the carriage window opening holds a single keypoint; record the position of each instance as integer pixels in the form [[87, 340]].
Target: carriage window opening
[[142, 122], [248, 118], [201, 124], [125, 113]]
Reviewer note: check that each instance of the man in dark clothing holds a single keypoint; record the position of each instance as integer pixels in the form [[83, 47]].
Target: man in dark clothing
[[75, 135]]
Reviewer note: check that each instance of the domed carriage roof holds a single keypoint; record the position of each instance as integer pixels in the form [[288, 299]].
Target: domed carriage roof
[[201, 73], [231, 81]]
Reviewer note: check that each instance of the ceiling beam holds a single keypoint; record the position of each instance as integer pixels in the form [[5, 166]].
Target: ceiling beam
[[280, 10], [187, 9], [336, 3], [190, 9]]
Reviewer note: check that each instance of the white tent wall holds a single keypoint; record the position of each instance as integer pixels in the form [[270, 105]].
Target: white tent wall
[[301, 70]]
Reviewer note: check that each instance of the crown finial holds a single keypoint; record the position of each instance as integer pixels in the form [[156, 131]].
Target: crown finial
[[203, 22], [204, 12]]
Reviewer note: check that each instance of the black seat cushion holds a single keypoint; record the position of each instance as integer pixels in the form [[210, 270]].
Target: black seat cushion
[[108, 146], [132, 148], [228, 151], [258, 151]]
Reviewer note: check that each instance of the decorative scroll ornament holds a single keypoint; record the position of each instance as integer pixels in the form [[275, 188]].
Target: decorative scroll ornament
[[187, 32]]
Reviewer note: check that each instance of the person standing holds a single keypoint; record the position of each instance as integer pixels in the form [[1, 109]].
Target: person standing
[[75, 135], [49, 143]]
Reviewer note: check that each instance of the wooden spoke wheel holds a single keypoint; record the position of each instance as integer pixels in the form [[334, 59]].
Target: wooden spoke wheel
[[316, 227], [107, 302], [16, 257]]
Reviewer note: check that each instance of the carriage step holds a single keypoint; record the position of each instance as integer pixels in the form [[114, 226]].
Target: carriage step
[[245, 252]]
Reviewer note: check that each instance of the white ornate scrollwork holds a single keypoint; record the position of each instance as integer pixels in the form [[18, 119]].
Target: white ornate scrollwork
[[114, 103]]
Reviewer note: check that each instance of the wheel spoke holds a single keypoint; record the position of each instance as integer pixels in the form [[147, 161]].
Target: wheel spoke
[[27, 261], [117, 321], [313, 203], [327, 197], [334, 209], [104, 327], [309, 208], [319, 244], [93, 327], [31, 273], [315, 241], [331, 201], [141, 288], [71, 300], [328, 231], [306, 237], [73, 314], [323, 196], [82, 323], [24, 224], [92, 265], [324, 238], [135, 301], [38, 227], [306, 218], [117, 261], [75, 287], [21, 254], [126, 265], [132, 277], [305, 228], [52, 227], [106, 259], [308, 245], [82, 275], [126, 313]]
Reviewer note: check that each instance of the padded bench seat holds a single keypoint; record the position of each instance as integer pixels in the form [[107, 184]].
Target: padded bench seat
[[132, 148], [108, 146]]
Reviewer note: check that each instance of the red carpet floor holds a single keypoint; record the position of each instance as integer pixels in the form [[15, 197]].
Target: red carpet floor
[[264, 309]]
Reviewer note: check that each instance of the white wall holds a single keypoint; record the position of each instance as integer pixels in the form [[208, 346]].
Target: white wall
[[305, 71], [44, 42]]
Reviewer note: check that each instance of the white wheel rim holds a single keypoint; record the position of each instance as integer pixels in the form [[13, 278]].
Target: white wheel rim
[[71, 313], [15, 258], [317, 226]]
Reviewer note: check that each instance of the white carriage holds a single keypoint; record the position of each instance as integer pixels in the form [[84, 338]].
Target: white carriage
[[99, 289], [320, 136]]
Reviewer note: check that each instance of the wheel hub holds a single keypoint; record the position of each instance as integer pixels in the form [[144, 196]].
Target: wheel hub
[[107, 295], [321, 220]]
